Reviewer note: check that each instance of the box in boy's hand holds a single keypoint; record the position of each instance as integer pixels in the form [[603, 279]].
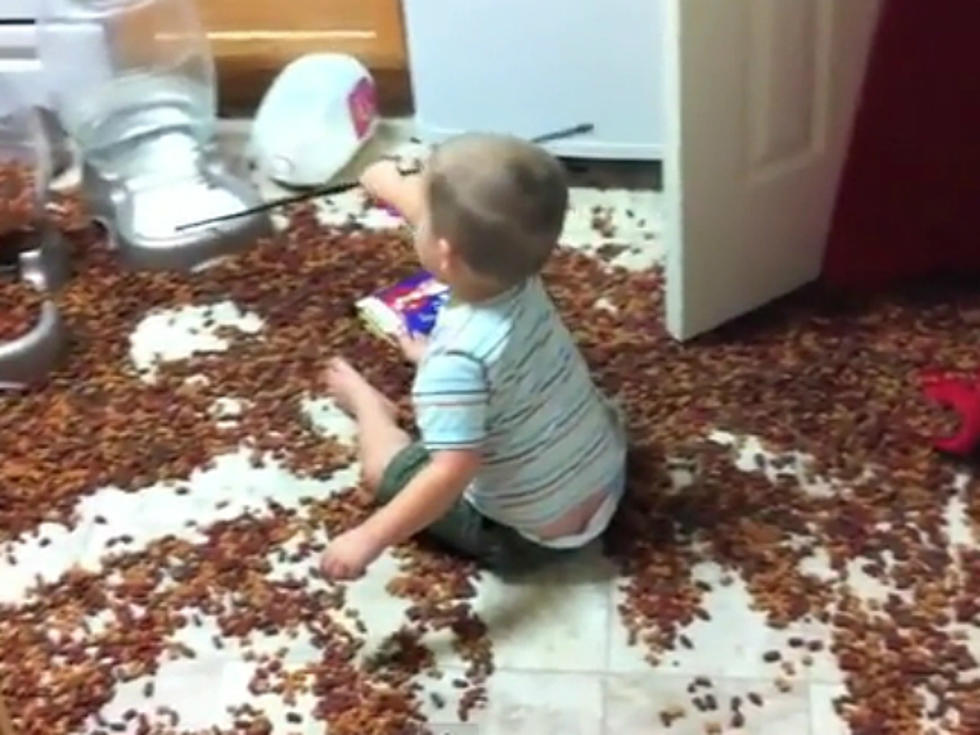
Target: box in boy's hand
[[411, 305]]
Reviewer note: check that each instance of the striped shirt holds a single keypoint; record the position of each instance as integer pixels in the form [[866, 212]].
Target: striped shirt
[[504, 376]]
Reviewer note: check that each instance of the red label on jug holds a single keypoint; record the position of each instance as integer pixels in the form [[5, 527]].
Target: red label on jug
[[363, 106]]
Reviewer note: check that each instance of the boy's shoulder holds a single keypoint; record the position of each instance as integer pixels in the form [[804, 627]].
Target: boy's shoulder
[[467, 326], [499, 335], [516, 303]]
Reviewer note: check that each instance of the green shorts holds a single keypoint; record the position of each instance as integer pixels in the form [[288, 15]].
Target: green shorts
[[465, 530]]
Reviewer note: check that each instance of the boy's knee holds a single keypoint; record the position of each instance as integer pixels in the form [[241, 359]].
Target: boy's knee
[[387, 478], [371, 478]]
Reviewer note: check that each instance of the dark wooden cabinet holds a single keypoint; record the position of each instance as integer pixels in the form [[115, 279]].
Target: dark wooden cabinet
[[253, 40]]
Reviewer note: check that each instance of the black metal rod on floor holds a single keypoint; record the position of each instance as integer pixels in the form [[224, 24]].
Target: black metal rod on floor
[[321, 191], [331, 189]]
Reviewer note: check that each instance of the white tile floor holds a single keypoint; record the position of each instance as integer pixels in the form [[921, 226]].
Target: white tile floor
[[563, 663]]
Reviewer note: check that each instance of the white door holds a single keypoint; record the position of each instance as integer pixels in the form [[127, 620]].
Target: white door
[[761, 97]]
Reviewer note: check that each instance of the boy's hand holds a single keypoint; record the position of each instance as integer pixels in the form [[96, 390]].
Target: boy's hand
[[413, 346], [426, 498], [348, 556], [382, 180]]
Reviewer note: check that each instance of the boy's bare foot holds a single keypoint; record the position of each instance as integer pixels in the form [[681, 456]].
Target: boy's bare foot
[[352, 392]]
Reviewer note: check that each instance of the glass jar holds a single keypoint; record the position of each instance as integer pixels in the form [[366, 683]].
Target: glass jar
[[124, 71], [32, 334], [24, 173]]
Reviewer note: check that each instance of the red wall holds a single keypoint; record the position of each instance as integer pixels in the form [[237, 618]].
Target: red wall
[[909, 201]]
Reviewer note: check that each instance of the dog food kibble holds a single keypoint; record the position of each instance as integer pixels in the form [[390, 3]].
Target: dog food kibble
[[829, 390], [17, 197], [671, 715], [20, 309]]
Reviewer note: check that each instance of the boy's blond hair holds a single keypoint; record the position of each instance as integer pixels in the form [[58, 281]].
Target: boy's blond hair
[[500, 201]]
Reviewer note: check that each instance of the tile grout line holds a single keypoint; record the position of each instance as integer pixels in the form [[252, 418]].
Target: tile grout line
[[609, 673], [610, 608], [607, 635], [603, 696], [809, 709]]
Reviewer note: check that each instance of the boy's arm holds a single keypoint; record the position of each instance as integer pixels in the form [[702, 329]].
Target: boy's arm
[[450, 396], [426, 498], [383, 181]]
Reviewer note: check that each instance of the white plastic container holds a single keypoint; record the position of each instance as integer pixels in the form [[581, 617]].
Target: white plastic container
[[531, 68], [123, 71], [315, 117]]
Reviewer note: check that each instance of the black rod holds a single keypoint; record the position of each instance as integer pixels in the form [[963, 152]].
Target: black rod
[[332, 189]]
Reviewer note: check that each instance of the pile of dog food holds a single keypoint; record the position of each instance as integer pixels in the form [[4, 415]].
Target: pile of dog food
[[829, 389]]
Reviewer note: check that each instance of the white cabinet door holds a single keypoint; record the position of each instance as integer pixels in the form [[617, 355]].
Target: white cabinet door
[[19, 9], [20, 68], [761, 96]]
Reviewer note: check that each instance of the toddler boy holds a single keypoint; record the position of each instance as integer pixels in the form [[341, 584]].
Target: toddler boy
[[520, 457]]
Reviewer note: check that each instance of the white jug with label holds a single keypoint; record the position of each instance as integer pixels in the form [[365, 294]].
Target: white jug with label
[[316, 116]]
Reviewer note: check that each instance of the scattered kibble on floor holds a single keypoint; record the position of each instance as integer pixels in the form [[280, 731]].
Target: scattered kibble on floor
[[831, 381]]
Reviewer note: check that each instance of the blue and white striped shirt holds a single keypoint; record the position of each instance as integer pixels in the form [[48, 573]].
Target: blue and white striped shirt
[[504, 376]]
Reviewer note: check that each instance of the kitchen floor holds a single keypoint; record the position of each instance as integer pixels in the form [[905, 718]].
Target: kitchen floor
[[563, 662]]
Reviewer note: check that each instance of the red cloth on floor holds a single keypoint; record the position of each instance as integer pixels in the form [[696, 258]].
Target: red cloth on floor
[[963, 397], [909, 200]]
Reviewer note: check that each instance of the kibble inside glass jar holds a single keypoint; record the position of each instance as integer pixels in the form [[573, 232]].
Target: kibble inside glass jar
[[24, 173]]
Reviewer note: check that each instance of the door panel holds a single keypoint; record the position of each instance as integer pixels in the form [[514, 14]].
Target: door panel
[[761, 99]]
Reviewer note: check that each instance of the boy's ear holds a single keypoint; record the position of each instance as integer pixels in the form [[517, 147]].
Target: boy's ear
[[446, 254]]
